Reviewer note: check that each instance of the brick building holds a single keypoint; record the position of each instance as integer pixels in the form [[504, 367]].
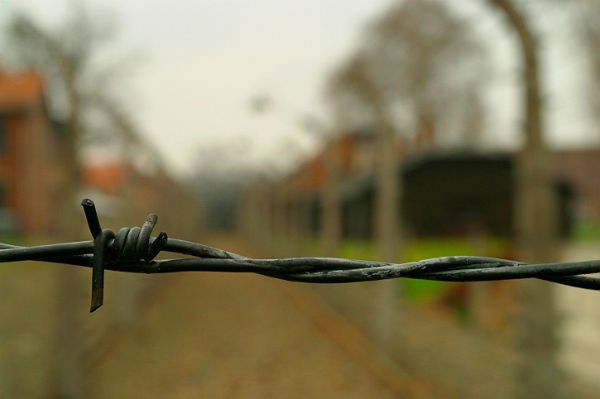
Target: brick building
[[29, 172]]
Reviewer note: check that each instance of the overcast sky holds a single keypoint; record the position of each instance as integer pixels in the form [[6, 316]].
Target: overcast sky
[[202, 61]]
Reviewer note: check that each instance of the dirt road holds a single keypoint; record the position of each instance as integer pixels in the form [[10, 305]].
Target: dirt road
[[220, 336]]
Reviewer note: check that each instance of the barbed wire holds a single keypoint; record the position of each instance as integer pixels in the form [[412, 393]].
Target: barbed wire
[[134, 249]]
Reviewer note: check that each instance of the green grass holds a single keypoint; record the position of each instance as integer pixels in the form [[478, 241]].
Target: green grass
[[421, 290], [586, 231]]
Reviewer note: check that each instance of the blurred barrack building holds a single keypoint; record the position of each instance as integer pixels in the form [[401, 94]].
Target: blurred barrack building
[[32, 173], [29, 152], [446, 192]]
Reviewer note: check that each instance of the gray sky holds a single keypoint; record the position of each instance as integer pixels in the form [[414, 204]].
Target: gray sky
[[203, 60]]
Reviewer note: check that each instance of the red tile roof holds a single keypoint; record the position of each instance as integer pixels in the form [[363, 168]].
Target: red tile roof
[[106, 177], [19, 90]]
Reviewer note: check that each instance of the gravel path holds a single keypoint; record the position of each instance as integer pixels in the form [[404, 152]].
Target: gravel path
[[219, 336]]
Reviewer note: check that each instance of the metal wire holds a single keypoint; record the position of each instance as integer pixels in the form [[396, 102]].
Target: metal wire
[[133, 250]]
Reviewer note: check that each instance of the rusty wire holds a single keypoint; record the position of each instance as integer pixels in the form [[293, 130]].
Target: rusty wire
[[134, 249]]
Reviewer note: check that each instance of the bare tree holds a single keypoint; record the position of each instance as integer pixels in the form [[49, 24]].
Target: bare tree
[[419, 60], [69, 57], [416, 60], [536, 223], [427, 63]]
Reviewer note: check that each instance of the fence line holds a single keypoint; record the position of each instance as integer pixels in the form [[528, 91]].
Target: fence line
[[134, 249]]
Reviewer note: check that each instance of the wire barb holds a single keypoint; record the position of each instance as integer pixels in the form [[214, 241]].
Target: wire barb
[[134, 249], [100, 248], [128, 245]]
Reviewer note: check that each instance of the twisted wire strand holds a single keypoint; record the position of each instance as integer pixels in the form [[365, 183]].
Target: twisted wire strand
[[134, 249]]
